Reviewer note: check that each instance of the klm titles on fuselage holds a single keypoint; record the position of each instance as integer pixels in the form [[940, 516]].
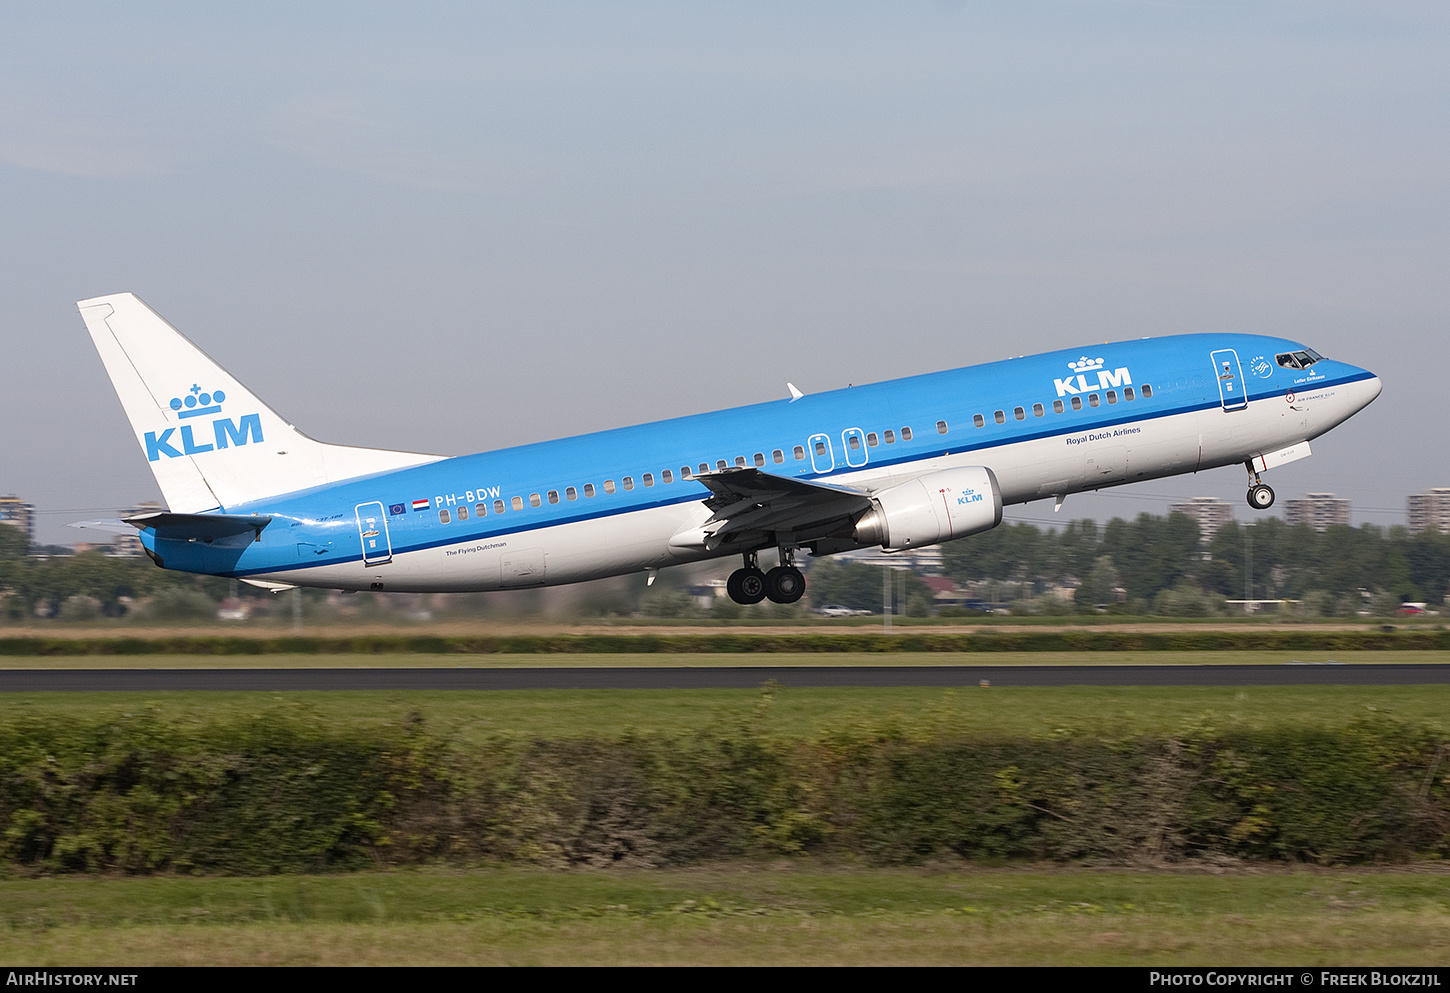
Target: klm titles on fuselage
[[225, 432], [1106, 379]]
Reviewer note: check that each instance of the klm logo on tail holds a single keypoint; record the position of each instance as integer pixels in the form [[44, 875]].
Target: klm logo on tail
[[225, 432]]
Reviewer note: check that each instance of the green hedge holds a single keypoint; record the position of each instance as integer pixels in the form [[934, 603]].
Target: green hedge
[[281, 792], [609, 644]]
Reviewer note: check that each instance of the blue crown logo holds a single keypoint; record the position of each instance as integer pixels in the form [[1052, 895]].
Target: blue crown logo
[[198, 402], [1086, 364]]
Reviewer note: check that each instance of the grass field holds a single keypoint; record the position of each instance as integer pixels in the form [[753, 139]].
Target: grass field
[[471, 717], [707, 660], [736, 915], [801, 914]]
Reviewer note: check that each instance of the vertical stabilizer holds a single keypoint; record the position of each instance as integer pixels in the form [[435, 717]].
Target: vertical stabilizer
[[209, 441]]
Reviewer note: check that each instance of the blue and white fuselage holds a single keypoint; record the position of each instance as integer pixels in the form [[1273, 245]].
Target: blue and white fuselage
[[899, 463]]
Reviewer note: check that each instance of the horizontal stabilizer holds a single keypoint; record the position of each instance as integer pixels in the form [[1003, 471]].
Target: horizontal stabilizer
[[198, 527], [111, 525], [262, 584]]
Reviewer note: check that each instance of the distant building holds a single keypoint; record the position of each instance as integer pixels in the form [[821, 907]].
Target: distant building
[[925, 561], [1430, 511], [129, 545], [1211, 513], [17, 513], [1321, 511]]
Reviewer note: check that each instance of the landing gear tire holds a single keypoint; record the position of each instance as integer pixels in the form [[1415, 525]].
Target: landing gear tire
[[785, 584], [746, 586], [1261, 497]]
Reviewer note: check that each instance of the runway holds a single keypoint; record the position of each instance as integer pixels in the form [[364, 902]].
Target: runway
[[723, 677]]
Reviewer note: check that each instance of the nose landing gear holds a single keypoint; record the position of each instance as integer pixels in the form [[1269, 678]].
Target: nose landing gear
[[1261, 495]]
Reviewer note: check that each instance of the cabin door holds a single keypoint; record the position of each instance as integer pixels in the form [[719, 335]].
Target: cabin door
[[1232, 391], [372, 528], [853, 442], [823, 458]]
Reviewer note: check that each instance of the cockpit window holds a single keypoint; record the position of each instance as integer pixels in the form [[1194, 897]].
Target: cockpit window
[[1298, 360]]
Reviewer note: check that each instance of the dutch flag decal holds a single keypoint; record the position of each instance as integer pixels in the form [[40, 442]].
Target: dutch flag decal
[[420, 504]]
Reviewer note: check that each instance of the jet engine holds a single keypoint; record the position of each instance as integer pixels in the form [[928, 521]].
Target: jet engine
[[936, 507]]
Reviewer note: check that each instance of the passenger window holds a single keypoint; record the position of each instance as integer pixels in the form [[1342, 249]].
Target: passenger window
[[979, 421], [589, 491], [1019, 413], [628, 482], [941, 427], [1000, 417], [1077, 403], [1093, 400], [871, 440], [463, 513], [853, 441], [684, 472], [906, 434], [609, 486], [518, 503], [1127, 393], [759, 459], [705, 466], [553, 496], [721, 465], [534, 500], [443, 517], [1147, 391], [778, 456], [799, 453], [498, 506], [1037, 410], [648, 479], [740, 461], [1112, 396], [1057, 406], [890, 437], [480, 510], [668, 476], [570, 493]]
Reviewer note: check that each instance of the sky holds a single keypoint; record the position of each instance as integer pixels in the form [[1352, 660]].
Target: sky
[[456, 227]]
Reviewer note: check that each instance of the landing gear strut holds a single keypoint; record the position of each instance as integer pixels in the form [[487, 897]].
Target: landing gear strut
[[783, 584], [1261, 496]]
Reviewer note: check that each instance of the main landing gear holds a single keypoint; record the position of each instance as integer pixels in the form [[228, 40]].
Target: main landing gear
[[1261, 496], [783, 584]]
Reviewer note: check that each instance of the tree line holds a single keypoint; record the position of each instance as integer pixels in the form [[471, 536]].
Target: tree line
[[1152, 564], [1148, 562]]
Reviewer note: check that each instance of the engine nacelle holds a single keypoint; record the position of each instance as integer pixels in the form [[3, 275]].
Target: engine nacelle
[[936, 507]]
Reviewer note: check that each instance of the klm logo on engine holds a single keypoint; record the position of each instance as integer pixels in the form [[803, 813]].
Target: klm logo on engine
[[225, 432], [1105, 379]]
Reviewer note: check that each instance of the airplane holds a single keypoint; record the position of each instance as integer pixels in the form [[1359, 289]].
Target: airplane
[[898, 464]]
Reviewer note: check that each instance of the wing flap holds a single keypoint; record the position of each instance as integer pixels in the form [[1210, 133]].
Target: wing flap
[[745, 499]]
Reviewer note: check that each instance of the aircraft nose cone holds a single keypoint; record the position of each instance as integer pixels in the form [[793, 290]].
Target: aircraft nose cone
[[1365, 391]]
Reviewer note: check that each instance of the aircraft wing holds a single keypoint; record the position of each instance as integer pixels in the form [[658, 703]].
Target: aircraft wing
[[746, 499]]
